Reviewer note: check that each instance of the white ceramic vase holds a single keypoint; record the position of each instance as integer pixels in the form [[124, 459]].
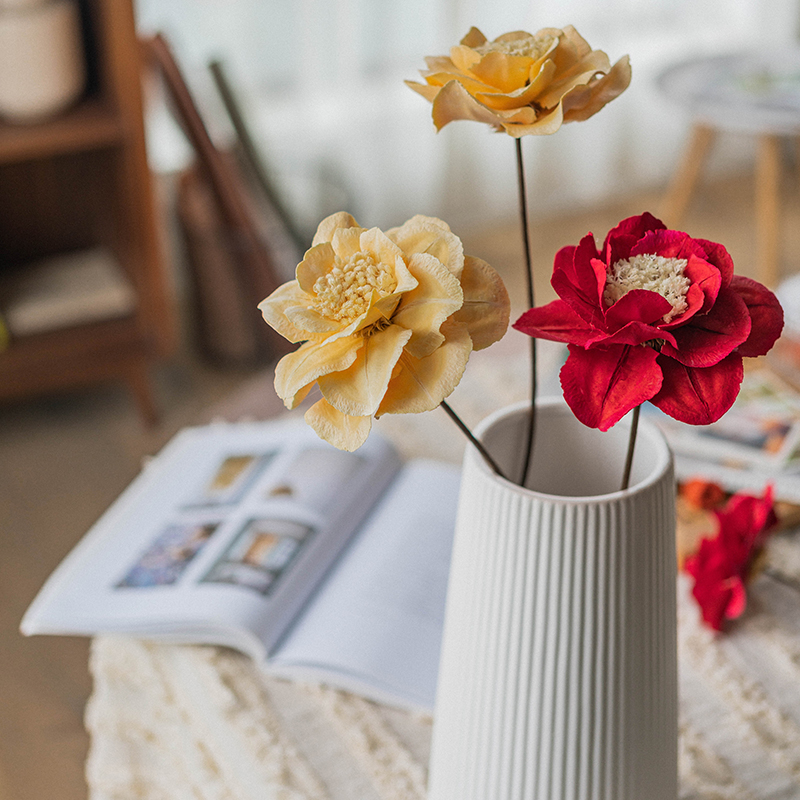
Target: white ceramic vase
[[558, 676]]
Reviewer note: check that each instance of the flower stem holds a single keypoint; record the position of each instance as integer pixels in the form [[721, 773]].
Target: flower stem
[[468, 433], [523, 210], [626, 476]]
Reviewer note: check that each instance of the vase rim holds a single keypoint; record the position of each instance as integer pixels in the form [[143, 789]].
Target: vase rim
[[657, 440]]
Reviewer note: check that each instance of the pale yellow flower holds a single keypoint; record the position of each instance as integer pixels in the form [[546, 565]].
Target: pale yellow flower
[[522, 83], [388, 321]]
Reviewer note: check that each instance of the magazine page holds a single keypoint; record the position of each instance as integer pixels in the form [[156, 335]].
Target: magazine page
[[375, 625], [761, 431], [220, 539]]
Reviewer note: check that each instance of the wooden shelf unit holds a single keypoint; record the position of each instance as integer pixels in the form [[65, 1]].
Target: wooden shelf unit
[[77, 181]]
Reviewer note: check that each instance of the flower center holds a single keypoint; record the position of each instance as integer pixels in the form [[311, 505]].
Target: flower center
[[530, 46], [345, 292], [654, 274]]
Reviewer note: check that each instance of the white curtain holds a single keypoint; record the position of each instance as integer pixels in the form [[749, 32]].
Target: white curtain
[[322, 82]]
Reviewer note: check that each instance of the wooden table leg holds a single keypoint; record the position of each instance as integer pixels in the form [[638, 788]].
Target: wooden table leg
[[138, 380], [685, 176], [768, 227]]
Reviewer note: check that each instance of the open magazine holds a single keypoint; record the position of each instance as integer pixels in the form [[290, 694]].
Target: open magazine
[[755, 443], [320, 564]]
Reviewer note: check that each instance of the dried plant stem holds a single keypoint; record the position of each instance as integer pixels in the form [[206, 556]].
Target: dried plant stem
[[626, 476], [530, 435], [468, 433]]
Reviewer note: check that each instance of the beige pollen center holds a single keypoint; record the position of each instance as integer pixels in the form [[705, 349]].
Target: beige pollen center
[[530, 46], [345, 292], [654, 274]]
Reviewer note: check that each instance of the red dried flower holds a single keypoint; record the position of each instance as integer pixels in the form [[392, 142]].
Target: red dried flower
[[702, 494], [654, 315], [723, 565]]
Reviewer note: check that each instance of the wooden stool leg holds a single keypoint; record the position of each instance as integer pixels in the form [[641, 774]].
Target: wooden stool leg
[[768, 223], [138, 381], [685, 176]]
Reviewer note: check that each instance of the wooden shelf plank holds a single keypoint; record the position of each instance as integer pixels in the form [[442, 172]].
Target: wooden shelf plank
[[90, 125], [72, 356]]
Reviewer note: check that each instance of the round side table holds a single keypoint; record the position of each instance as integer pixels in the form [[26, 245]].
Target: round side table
[[758, 94]]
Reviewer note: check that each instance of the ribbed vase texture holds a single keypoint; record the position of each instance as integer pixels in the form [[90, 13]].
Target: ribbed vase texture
[[558, 678]]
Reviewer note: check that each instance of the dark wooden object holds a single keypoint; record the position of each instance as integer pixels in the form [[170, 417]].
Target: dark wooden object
[[80, 180]]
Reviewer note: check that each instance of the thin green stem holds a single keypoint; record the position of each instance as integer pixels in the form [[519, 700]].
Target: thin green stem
[[475, 443], [626, 476], [523, 211]]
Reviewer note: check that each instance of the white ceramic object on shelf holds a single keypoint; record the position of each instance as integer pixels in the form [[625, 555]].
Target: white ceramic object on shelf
[[558, 677], [42, 59]]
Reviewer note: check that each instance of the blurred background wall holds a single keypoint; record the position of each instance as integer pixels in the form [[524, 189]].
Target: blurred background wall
[[322, 82]]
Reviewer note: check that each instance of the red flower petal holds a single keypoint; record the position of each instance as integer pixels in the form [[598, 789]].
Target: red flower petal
[[704, 277], [603, 384], [638, 305], [708, 338], [745, 523], [765, 312], [719, 257], [634, 333], [633, 228], [737, 598], [579, 279], [557, 322], [668, 244], [698, 396]]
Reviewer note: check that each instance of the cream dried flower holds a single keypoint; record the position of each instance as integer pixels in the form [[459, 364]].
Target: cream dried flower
[[387, 320], [522, 83]]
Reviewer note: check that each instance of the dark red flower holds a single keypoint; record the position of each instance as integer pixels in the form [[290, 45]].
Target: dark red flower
[[723, 565], [654, 315]]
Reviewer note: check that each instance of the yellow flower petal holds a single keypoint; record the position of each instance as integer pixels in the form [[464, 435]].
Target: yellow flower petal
[[326, 228], [578, 108], [317, 261], [527, 94], [296, 371], [421, 384], [346, 242], [423, 234], [464, 58], [426, 90], [274, 310], [358, 389], [474, 38], [519, 82], [311, 322], [340, 430], [545, 125], [424, 309], [582, 74], [454, 102], [505, 73], [486, 306], [376, 242]]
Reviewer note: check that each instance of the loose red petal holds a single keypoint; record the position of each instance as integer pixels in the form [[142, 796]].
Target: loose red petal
[[765, 312], [604, 384], [698, 396], [737, 599], [708, 338], [557, 322]]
